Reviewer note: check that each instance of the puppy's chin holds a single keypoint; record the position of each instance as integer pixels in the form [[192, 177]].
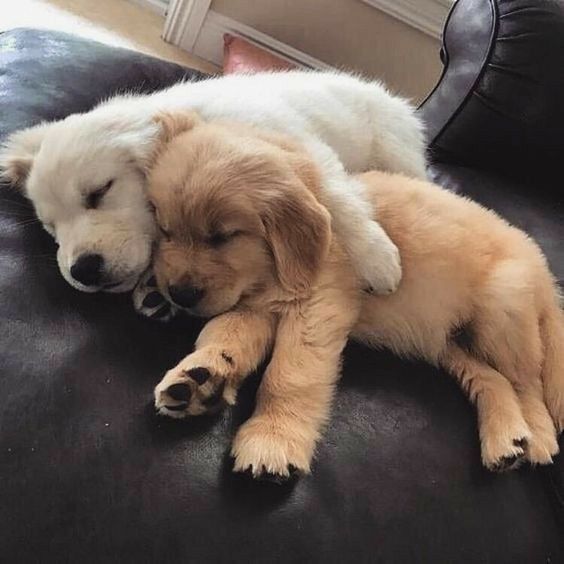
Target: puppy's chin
[[207, 311], [122, 287], [119, 287]]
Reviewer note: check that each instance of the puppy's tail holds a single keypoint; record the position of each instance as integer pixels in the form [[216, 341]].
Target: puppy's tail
[[552, 335]]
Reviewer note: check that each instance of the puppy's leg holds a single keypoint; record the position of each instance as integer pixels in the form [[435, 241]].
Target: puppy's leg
[[149, 302], [508, 334], [552, 330], [514, 347], [520, 358], [503, 429], [542, 445], [228, 349], [295, 395], [517, 353], [374, 256]]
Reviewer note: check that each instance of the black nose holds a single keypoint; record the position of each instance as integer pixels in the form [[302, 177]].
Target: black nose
[[185, 296], [87, 269]]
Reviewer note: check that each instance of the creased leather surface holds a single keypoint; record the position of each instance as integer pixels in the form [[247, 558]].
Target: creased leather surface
[[87, 474]]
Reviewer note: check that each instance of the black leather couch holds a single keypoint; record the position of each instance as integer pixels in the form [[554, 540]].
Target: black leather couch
[[88, 474]]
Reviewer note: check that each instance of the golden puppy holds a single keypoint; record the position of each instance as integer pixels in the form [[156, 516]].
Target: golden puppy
[[245, 241]]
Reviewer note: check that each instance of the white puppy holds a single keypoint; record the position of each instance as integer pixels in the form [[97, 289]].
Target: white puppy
[[85, 175]]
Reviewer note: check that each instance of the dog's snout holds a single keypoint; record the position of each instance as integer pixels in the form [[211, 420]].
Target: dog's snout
[[186, 296], [87, 269]]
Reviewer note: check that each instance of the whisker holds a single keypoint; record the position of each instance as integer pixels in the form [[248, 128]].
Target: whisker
[[18, 213], [49, 267], [23, 223], [17, 205], [52, 261], [44, 260], [16, 202]]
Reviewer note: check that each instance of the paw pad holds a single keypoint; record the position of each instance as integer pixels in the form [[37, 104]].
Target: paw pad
[[216, 396], [162, 313], [200, 392], [180, 392], [199, 375], [179, 407], [149, 302], [153, 299]]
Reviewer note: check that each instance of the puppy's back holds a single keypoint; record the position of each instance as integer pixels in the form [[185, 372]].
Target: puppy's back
[[455, 254], [427, 221]]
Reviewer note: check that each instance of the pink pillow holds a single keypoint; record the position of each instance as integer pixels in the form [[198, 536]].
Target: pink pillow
[[240, 56]]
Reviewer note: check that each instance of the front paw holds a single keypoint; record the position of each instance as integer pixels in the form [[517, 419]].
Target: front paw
[[269, 451], [377, 261], [194, 387], [149, 302]]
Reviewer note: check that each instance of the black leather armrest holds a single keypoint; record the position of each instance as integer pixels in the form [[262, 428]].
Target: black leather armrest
[[500, 101], [43, 75]]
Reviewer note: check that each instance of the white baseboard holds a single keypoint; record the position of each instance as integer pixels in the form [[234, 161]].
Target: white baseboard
[[427, 16]]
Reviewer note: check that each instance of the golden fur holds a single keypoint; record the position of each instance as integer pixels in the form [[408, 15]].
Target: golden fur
[[241, 220]]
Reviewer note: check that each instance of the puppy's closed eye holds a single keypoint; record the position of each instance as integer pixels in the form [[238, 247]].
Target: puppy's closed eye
[[164, 232], [219, 238], [94, 199]]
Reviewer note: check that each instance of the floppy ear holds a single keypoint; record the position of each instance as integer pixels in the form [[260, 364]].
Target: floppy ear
[[298, 230], [17, 153], [153, 136], [172, 124]]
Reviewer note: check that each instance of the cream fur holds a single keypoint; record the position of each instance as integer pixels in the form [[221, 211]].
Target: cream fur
[[466, 271], [347, 124]]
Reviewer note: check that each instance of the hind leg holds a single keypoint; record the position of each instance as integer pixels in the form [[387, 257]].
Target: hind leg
[[542, 445], [502, 427], [508, 336], [516, 352]]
